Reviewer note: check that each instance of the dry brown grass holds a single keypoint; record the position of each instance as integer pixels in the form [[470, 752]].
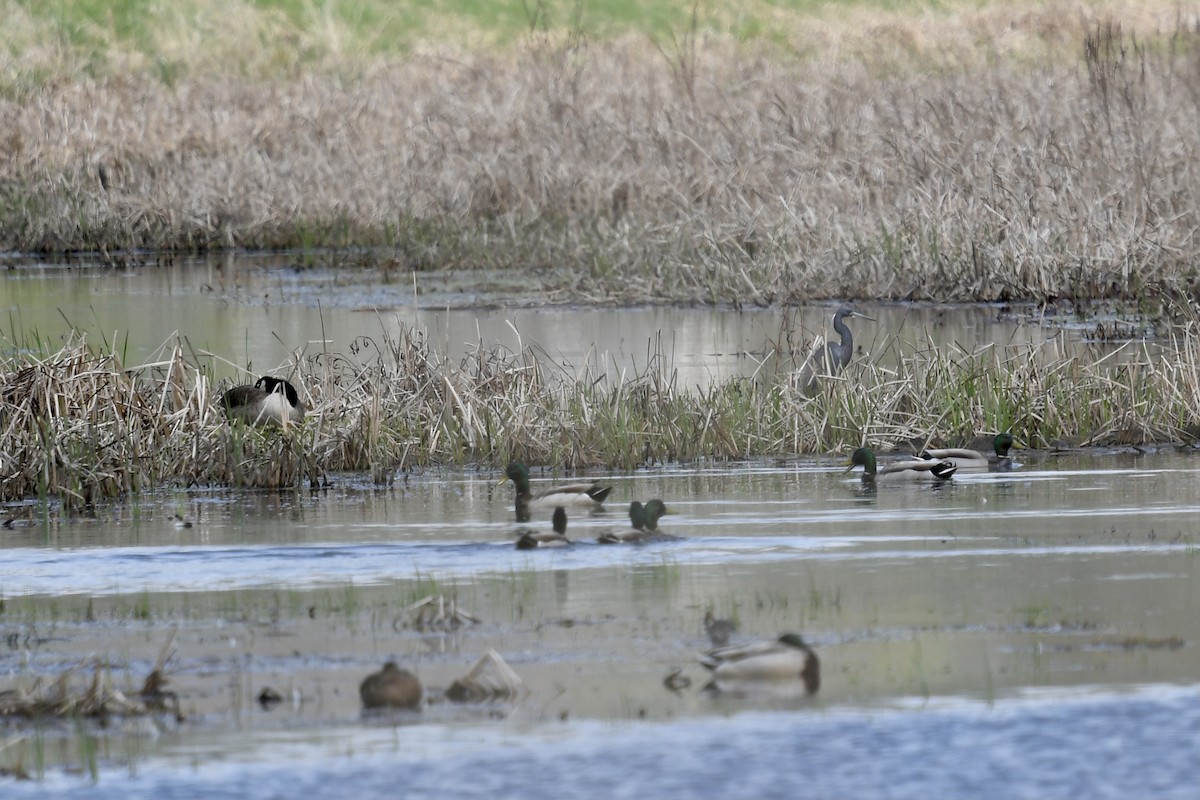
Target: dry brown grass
[[80, 426], [696, 172]]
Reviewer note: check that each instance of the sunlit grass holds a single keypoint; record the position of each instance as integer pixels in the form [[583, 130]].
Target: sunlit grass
[[930, 162], [194, 38]]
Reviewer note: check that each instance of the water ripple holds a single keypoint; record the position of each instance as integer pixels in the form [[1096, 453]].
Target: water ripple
[[1099, 744]]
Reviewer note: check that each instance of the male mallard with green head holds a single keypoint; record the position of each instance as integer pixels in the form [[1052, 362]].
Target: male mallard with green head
[[786, 658], [964, 458], [391, 687], [587, 495], [897, 471], [557, 538], [269, 401]]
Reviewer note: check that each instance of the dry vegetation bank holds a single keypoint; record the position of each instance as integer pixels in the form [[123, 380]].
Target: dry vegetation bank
[[79, 425], [696, 171]]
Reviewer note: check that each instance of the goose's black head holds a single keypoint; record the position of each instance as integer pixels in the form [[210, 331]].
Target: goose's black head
[[271, 385]]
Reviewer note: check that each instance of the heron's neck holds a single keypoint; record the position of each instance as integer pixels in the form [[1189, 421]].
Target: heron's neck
[[847, 338]]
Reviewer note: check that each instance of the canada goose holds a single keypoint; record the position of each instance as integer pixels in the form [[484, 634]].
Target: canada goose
[[269, 401]]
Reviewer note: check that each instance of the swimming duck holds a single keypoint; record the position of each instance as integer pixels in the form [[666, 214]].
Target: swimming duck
[[718, 630], [644, 525], [557, 538], [269, 401], [391, 687], [910, 470], [973, 459], [589, 495], [786, 658], [830, 358]]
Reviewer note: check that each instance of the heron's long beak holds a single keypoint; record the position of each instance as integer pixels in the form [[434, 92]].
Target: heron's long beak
[[864, 316]]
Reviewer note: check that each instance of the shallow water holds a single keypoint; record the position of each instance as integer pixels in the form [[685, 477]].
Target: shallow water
[[1010, 634], [255, 312], [1092, 744], [1021, 634]]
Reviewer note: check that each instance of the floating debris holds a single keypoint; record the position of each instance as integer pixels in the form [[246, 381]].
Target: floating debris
[[98, 699], [677, 681], [435, 613], [490, 679], [268, 698]]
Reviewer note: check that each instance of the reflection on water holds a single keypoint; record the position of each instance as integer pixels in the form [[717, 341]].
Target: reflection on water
[[1103, 744], [1026, 634], [254, 312], [1009, 617]]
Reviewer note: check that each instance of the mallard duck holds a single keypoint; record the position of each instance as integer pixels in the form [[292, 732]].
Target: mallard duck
[[557, 538], [391, 687], [589, 495], [718, 630], [269, 401], [643, 522], [910, 470], [830, 358], [786, 658], [973, 459]]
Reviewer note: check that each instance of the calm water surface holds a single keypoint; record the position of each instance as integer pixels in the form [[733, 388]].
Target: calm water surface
[[1024, 634], [257, 313]]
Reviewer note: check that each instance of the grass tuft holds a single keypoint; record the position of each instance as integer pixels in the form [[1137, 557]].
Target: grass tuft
[[984, 154], [80, 426]]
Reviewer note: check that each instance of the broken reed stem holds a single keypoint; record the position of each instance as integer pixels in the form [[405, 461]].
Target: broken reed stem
[[77, 425]]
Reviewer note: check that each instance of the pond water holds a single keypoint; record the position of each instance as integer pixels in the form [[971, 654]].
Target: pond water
[[258, 313], [1017, 634], [1022, 634]]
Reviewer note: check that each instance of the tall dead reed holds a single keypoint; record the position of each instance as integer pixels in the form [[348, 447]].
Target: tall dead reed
[[613, 171], [80, 425]]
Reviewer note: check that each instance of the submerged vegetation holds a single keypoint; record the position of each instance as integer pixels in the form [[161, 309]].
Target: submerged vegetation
[[980, 153], [81, 425]]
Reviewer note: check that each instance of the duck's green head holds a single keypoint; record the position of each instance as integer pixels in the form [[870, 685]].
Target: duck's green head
[[654, 509], [637, 515], [518, 473], [793, 640], [862, 457], [1003, 443]]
